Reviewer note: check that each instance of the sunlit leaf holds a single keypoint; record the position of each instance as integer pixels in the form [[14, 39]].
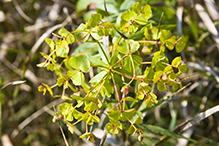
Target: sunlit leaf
[[91, 107], [146, 11], [78, 78], [89, 136], [176, 62], [151, 98], [128, 114], [171, 42], [136, 7], [157, 76], [77, 115], [48, 88], [172, 76], [80, 62], [183, 68], [98, 77], [94, 20], [63, 32], [161, 86], [166, 34], [155, 33], [128, 46], [128, 15], [113, 114], [138, 120], [50, 43], [180, 45], [132, 129], [70, 38]]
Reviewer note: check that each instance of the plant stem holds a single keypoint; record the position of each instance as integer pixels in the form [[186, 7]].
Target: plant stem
[[104, 53]]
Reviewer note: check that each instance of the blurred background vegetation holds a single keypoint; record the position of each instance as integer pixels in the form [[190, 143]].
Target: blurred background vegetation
[[26, 115]]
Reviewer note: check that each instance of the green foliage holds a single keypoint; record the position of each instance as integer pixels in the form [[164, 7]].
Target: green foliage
[[119, 68]]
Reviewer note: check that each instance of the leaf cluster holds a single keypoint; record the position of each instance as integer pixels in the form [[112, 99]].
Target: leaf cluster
[[120, 69]]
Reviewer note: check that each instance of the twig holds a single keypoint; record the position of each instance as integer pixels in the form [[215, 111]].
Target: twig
[[60, 127], [34, 116], [20, 11], [104, 138]]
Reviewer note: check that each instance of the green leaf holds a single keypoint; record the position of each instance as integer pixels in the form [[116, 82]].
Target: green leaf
[[165, 34], [95, 62], [71, 72], [138, 120], [140, 95], [91, 99], [127, 4], [77, 115], [77, 98], [146, 11], [128, 46], [168, 69], [63, 32], [144, 88], [172, 76], [98, 77], [128, 114], [104, 54], [141, 20], [78, 78], [80, 62], [70, 38], [137, 60], [48, 57], [150, 99], [94, 20], [147, 34], [88, 47], [136, 7], [49, 89], [62, 50], [148, 73], [66, 109], [171, 42], [50, 43], [176, 62], [95, 119], [66, 98], [91, 107], [157, 76], [89, 136], [175, 87], [155, 33], [85, 116], [108, 89], [82, 33], [113, 114], [128, 15], [104, 28], [114, 127], [180, 45], [158, 56], [183, 68], [95, 34], [132, 129], [161, 64], [161, 86]]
